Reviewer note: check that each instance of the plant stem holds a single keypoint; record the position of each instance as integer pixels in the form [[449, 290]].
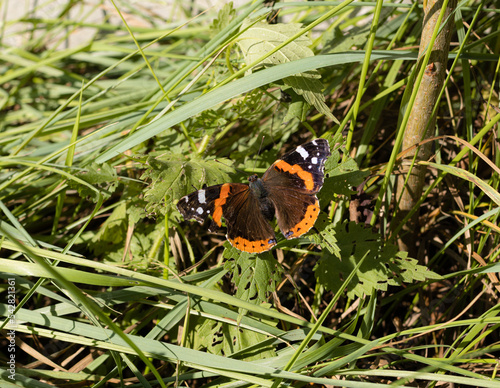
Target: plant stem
[[410, 184]]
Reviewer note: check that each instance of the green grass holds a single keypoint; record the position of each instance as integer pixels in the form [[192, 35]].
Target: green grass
[[98, 141]]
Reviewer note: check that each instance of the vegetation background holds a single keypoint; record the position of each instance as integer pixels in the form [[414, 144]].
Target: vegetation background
[[105, 285]]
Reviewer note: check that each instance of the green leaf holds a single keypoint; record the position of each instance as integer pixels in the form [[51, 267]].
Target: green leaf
[[114, 229], [242, 85], [254, 276], [336, 41], [340, 173], [297, 108], [23, 268], [207, 122], [224, 17], [103, 177], [309, 86], [491, 268], [261, 38], [326, 235], [173, 176], [110, 241], [224, 339], [384, 265]]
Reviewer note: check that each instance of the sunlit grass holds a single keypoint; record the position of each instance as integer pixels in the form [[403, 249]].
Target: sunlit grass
[[112, 286]]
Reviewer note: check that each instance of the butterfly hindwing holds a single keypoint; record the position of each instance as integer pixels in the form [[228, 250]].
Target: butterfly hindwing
[[247, 228]]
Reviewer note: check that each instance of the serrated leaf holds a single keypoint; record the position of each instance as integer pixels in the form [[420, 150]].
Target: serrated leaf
[[310, 87], [407, 270], [98, 174], [207, 122], [103, 177], [326, 235], [173, 176], [224, 17], [254, 276], [341, 174], [136, 210], [249, 107], [383, 266], [261, 38]]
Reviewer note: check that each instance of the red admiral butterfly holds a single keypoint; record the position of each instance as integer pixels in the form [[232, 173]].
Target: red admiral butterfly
[[287, 189]]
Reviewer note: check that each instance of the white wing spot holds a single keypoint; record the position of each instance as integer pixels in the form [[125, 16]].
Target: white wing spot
[[301, 150], [201, 196], [314, 142], [199, 210], [208, 211], [186, 198], [309, 167], [314, 160]]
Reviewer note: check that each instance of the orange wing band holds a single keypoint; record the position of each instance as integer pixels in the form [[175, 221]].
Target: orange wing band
[[296, 169], [225, 190], [307, 222], [252, 246]]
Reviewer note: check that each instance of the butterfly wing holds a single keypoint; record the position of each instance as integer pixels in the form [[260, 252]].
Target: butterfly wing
[[247, 228], [201, 204], [292, 183]]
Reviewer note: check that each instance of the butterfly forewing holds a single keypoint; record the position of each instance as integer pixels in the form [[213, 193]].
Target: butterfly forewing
[[301, 169], [200, 204]]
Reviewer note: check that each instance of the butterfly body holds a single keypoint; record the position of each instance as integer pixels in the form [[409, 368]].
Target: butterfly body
[[258, 189], [286, 191]]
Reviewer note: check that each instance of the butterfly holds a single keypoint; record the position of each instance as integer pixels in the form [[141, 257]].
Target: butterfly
[[287, 191]]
